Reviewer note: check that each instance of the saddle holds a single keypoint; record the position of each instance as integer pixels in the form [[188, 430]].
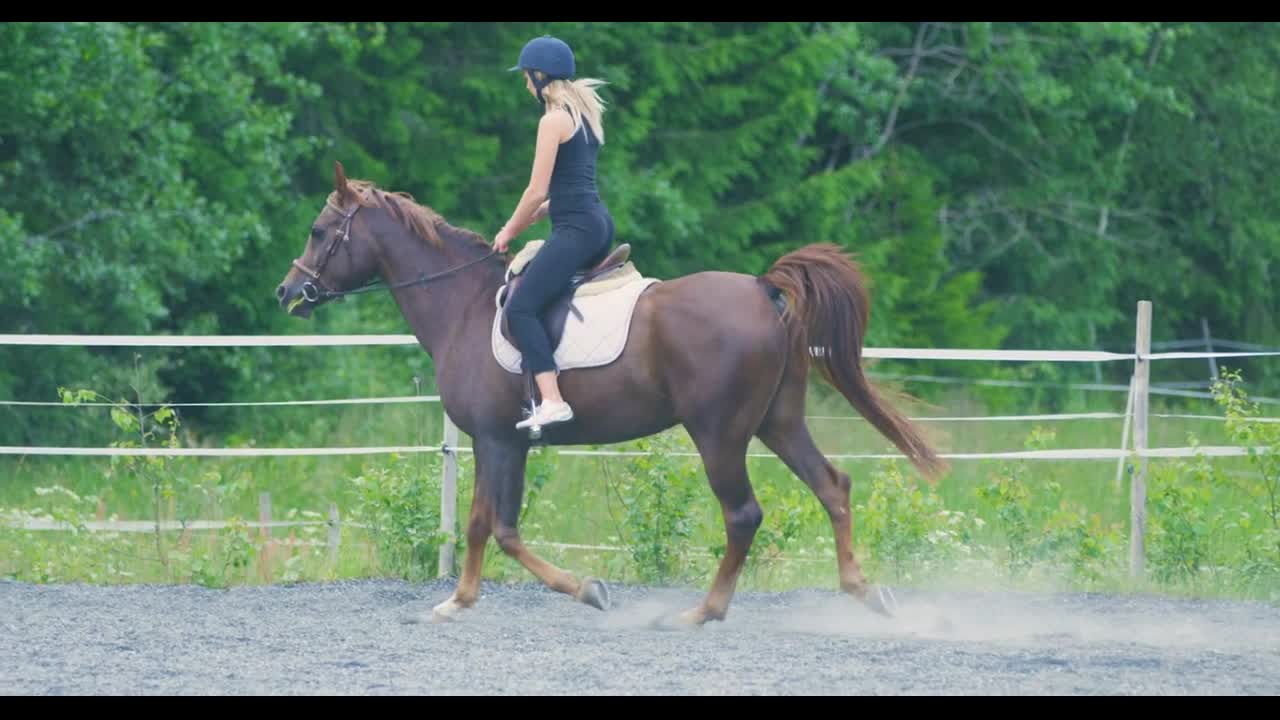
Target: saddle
[[556, 313]]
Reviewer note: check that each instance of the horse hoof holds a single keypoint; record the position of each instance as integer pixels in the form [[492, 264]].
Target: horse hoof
[[881, 601], [446, 611], [596, 594]]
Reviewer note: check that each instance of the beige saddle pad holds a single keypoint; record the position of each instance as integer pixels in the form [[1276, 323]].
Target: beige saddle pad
[[598, 338]]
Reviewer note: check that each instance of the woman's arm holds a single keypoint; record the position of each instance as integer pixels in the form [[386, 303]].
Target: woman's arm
[[550, 129]]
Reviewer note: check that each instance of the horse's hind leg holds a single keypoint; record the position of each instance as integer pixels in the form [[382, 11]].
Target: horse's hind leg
[[727, 472], [784, 433]]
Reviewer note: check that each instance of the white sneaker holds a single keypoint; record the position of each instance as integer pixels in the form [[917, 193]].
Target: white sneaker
[[547, 414]]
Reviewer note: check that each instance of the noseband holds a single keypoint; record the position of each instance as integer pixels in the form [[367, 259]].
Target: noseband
[[315, 290]]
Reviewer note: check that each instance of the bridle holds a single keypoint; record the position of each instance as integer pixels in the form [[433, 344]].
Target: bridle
[[315, 291]]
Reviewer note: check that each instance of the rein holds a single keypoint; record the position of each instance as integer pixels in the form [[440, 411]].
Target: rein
[[318, 291]]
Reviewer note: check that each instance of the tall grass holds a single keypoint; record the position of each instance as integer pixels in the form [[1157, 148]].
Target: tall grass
[[1048, 524]]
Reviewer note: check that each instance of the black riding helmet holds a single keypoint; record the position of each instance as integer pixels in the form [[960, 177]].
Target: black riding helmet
[[550, 55]]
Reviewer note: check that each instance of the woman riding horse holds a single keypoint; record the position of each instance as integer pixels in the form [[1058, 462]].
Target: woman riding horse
[[564, 172], [725, 355]]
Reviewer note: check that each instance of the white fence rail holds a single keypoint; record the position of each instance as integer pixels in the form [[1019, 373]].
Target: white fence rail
[[393, 340], [1064, 454], [1136, 413]]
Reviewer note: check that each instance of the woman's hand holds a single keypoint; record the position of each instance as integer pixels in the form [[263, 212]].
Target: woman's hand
[[502, 239]]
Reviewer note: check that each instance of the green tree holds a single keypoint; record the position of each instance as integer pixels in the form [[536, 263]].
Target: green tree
[[139, 166]]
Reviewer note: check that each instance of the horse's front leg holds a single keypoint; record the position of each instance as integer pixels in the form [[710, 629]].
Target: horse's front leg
[[495, 510], [507, 476], [479, 527]]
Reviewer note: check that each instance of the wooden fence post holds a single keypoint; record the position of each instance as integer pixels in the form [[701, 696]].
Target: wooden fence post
[[448, 496], [264, 533], [1138, 488]]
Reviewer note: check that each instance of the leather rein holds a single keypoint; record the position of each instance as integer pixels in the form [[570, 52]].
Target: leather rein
[[316, 291]]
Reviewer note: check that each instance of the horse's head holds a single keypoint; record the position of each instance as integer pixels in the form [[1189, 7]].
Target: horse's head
[[339, 255]]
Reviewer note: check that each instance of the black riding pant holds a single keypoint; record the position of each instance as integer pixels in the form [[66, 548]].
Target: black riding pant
[[580, 238]]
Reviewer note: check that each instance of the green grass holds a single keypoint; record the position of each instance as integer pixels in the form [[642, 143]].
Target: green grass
[[582, 499]]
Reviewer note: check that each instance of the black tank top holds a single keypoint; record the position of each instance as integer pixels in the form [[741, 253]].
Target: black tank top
[[573, 178]]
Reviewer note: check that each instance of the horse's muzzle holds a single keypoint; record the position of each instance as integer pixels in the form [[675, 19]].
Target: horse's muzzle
[[298, 300]]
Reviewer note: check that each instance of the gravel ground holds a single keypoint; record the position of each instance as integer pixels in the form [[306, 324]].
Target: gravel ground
[[351, 638]]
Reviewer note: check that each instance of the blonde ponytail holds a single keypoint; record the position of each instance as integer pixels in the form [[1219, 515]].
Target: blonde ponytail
[[579, 98]]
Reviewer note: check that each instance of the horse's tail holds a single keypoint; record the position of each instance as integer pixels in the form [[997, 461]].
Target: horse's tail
[[828, 308]]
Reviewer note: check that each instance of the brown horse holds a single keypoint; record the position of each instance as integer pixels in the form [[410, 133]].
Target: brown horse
[[710, 351]]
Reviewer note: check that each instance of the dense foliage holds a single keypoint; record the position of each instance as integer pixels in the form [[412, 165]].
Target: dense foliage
[[1018, 185]]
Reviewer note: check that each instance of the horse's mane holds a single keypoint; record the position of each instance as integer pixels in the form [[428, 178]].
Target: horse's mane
[[417, 218]]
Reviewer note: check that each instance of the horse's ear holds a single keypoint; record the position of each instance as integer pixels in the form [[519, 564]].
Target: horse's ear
[[339, 178], [345, 193]]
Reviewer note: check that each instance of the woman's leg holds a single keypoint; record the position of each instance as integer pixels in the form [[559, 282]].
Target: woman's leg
[[566, 252]]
